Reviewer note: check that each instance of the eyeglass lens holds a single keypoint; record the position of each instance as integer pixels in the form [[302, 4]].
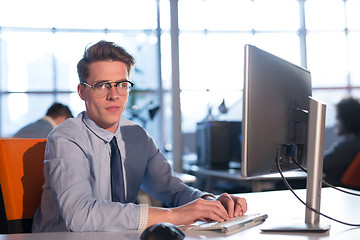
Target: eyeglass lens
[[102, 89]]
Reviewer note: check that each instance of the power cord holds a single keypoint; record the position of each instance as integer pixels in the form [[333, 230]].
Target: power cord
[[306, 205], [326, 183]]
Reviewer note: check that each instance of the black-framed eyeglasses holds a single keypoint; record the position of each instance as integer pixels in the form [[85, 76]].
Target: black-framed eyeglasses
[[102, 88]]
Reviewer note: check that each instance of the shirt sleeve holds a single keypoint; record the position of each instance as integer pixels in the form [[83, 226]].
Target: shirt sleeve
[[162, 183]]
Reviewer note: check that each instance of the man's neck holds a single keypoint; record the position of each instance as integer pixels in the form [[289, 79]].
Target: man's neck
[[51, 121]]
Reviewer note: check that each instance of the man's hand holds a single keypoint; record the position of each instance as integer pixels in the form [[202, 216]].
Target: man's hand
[[235, 206], [207, 208], [199, 209]]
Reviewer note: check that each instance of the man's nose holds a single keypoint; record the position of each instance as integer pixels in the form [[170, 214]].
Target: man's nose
[[113, 93]]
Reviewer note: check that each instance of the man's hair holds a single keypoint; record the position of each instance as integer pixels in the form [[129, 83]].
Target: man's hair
[[103, 51], [348, 113], [58, 110]]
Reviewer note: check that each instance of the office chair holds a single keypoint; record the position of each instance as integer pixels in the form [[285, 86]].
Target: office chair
[[21, 180], [351, 177]]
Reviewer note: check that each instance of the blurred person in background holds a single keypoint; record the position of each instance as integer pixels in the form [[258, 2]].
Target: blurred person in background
[[342, 152], [55, 115]]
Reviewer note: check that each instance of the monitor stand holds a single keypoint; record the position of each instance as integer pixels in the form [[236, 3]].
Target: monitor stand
[[314, 164]]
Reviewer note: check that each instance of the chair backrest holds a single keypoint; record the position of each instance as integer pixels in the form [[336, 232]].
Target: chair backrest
[[351, 177], [21, 180]]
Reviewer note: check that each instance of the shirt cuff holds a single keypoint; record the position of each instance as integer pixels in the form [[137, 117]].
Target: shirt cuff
[[143, 216], [204, 196]]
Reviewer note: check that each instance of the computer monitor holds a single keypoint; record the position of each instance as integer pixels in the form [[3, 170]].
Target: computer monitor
[[282, 125], [275, 104]]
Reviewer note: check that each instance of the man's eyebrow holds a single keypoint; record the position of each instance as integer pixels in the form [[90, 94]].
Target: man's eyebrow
[[101, 81], [104, 81]]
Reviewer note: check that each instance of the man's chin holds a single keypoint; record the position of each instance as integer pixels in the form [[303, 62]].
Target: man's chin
[[110, 123]]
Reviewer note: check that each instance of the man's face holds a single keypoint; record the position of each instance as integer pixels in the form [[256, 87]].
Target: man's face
[[105, 111]]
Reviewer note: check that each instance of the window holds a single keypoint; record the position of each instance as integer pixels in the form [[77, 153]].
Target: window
[[40, 50], [38, 55], [213, 33]]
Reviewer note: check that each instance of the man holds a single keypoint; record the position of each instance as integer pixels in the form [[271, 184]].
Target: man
[[55, 115], [79, 189]]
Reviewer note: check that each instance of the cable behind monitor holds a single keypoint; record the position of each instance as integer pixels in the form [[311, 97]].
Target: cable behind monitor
[[306, 205], [328, 184]]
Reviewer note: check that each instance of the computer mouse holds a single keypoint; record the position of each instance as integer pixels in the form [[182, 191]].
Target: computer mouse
[[162, 231]]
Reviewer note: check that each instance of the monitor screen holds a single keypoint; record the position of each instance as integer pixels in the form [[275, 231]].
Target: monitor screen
[[275, 104]]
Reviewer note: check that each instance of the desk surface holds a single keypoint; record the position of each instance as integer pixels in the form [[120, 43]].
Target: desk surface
[[281, 206], [235, 174], [186, 178], [257, 184]]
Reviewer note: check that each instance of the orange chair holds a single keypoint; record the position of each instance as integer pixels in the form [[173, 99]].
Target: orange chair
[[21, 180], [351, 177]]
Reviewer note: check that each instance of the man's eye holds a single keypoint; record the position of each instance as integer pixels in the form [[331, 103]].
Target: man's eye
[[100, 85], [123, 85]]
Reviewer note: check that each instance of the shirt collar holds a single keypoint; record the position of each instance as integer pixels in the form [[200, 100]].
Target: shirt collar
[[97, 130]]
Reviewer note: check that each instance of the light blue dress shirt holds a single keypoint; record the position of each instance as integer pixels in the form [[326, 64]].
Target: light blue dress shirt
[[77, 189]]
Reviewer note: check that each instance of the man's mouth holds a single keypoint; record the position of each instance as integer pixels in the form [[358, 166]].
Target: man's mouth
[[113, 108]]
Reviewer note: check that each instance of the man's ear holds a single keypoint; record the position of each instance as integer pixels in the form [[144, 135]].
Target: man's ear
[[81, 89]]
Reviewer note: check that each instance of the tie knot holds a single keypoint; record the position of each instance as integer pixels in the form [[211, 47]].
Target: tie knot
[[113, 142]]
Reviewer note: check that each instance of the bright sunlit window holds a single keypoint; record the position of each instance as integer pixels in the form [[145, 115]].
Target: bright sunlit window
[[321, 36], [39, 52]]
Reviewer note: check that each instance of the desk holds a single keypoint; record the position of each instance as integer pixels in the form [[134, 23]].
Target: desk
[[257, 184], [186, 178], [281, 206]]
